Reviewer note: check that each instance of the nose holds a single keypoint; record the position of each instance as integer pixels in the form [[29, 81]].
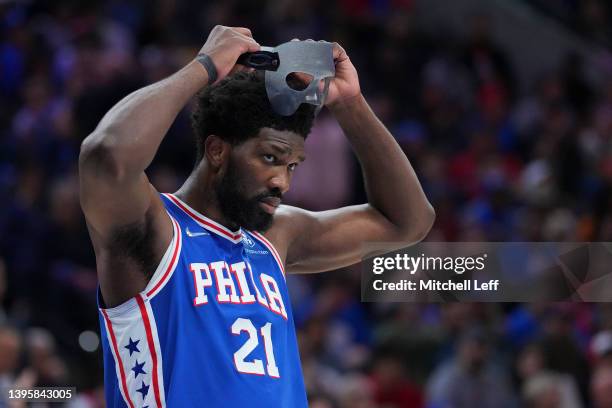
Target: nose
[[280, 180]]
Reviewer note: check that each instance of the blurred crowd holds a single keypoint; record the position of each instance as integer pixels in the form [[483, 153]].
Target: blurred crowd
[[500, 160]]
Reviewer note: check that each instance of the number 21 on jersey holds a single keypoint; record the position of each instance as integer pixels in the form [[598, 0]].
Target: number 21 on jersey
[[254, 366]]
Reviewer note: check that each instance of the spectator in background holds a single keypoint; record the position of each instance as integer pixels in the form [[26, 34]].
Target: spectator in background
[[601, 386], [356, 392], [562, 352], [542, 388], [320, 376], [472, 378], [43, 359], [10, 353], [10, 350], [487, 63], [547, 390], [391, 387]]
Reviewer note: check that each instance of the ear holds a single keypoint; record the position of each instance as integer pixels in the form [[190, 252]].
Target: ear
[[217, 151]]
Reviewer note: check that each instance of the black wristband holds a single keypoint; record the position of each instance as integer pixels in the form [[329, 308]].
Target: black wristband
[[208, 64]]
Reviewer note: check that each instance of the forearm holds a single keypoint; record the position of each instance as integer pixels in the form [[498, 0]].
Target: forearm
[[134, 128], [391, 184]]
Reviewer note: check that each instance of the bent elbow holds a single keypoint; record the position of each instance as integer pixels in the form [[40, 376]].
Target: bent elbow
[[419, 229], [429, 217], [97, 157], [94, 153]]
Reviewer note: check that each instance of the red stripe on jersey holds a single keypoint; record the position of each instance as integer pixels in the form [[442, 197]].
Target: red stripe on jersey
[[147, 325], [109, 325], [269, 245]]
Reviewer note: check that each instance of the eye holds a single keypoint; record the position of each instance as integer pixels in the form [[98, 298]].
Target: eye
[[269, 158], [292, 166]]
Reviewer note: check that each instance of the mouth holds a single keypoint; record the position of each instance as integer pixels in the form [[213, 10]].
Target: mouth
[[269, 204]]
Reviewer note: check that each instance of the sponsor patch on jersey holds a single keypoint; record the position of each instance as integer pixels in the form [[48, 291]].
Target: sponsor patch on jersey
[[256, 251], [247, 240]]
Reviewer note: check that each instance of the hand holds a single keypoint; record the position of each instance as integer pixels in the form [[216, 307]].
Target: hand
[[345, 84], [225, 44]]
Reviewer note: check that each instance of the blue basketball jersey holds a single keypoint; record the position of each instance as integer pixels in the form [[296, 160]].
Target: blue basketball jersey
[[213, 327]]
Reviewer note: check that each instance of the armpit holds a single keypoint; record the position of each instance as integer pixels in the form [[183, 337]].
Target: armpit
[[135, 242]]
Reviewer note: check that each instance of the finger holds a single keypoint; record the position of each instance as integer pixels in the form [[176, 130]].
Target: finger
[[310, 40], [295, 39], [250, 45], [338, 52], [253, 46], [243, 31]]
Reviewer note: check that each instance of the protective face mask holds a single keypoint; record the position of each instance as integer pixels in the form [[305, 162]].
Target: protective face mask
[[309, 57]]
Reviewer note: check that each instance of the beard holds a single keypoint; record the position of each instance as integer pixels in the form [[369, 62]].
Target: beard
[[237, 207]]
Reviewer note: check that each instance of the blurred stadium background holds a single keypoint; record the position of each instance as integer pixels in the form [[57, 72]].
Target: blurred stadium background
[[503, 107]]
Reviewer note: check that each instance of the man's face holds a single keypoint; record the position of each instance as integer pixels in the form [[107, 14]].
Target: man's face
[[257, 175]]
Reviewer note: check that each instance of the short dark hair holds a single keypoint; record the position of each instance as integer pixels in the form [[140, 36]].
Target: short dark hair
[[237, 107]]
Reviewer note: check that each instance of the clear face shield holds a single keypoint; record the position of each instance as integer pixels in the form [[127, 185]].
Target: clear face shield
[[315, 59]]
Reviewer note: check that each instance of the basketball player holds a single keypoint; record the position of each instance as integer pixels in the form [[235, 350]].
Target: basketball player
[[194, 307]]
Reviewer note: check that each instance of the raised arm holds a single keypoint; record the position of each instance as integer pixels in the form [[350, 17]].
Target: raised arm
[[124, 213], [397, 209]]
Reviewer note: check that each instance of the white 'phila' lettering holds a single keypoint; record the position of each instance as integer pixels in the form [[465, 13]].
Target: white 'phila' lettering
[[235, 284], [200, 282], [245, 294], [274, 297], [224, 282]]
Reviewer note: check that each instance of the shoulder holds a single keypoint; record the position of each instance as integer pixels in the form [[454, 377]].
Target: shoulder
[[289, 219], [288, 222], [286, 214]]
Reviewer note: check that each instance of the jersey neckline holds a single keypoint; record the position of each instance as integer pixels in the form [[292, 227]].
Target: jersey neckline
[[205, 222]]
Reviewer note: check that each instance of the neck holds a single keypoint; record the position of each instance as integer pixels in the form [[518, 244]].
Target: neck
[[198, 192]]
